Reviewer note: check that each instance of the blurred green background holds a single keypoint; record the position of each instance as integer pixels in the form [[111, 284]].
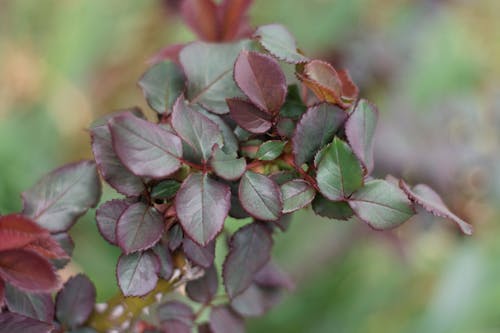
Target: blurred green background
[[432, 67]]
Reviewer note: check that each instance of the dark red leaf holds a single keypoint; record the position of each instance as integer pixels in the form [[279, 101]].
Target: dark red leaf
[[234, 23], [249, 251], [349, 90], [248, 116], [39, 306], [202, 256], [14, 323], [75, 302], [261, 79], [426, 197], [201, 16], [224, 320], [203, 289], [2, 293], [323, 80], [48, 248], [28, 271], [107, 215], [16, 231]]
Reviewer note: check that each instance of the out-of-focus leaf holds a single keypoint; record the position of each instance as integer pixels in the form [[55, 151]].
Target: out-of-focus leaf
[[261, 79], [75, 302], [250, 248], [137, 273], [339, 171], [248, 116], [381, 205], [360, 130], [17, 231], [260, 196], [271, 276], [202, 256], [165, 189], [175, 237], [66, 243], [296, 194], [197, 130], [255, 301], [203, 289], [11, 322], [174, 314], [111, 168], [315, 129], [202, 205], [339, 210], [293, 107], [210, 76], [107, 216], [224, 320], [38, 306], [139, 228], [2, 293], [145, 148], [63, 195], [426, 197], [166, 261], [227, 166], [270, 150], [28, 271], [161, 84], [278, 41], [201, 16]]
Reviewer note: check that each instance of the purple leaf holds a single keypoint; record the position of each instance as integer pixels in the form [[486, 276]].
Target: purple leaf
[[107, 216], [202, 205], [316, 128], [203, 289], [175, 311], [145, 148], [166, 261], [271, 276], [224, 320], [261, 79], [139, 228], [250, 248], [250, 303], [12, 323], [75, 302], [260, 196], [63, 195], [381, 205], [28, 271], [137, 273], [2, 293], [248, 116], [339, 171], [38, 306], [278, 41], [426, 197], [198, 131], [210, 77], [175, 237], [226, 165], [202, 256], [297, 194], [111, 168], [360, 130]]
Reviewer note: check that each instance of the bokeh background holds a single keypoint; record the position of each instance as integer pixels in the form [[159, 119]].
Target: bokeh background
[[432, 67]]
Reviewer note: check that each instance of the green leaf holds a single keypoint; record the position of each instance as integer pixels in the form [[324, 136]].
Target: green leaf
[[165, 189], [227, 166], [161, 84], [270, 150], [381, 205], [260, 196], [296, 194], [339, 172], [338, 210], [278, 41], [209, 71], [293, 107], [202, 205]]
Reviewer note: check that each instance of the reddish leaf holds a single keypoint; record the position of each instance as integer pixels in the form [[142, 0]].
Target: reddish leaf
[[248, 116], [13, 323], [234, 24], [16, 231], [202, 205], [39, 306], [107, 216], [75, 302], [63, 195], [224, 320], [201, 16], [250, 248], [203, 289], [426, 197], [323, 80], [28, 271], [202, 256], [139, 228], [2, 293], [350, 90], [170, 52], [145, 148], [137, 273], [261, 79], [48, 248], [260, 196]]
